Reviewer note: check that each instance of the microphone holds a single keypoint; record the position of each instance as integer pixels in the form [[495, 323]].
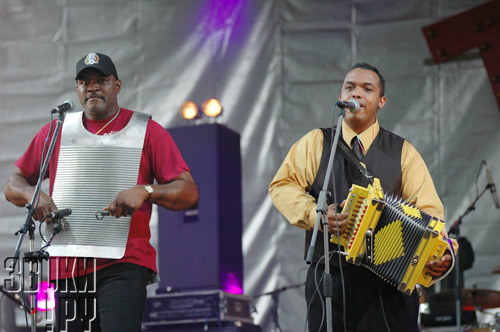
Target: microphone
[[491, 186], [68, 105], [58, 214], [352, 105], [57, 228]]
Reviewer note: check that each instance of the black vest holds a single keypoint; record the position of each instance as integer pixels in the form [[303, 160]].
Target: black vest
[[382, 161]]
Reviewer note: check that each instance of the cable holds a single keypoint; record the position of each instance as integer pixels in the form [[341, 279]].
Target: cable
[[40, 231], [205, 327], [24, 305], [213, 312], [317, 292], [218, 320], [1, 307], [338, 246], [477, 176], [343, 292], [46, 140], [382, 305], [40, 175]]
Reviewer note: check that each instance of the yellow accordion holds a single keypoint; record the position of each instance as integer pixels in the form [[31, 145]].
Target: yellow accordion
[[390, 237]]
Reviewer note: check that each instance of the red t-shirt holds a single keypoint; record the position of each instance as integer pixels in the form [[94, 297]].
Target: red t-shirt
[[160, 161]]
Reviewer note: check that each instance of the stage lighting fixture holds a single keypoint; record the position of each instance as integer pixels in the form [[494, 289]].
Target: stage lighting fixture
[[190, 111], [45, 296], [212, 108]]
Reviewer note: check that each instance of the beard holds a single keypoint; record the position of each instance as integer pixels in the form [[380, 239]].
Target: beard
[[95, 105]]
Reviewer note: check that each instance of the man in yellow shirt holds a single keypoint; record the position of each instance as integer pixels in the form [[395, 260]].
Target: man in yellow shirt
[[371, 304]]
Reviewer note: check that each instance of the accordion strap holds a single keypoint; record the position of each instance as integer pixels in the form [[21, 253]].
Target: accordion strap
[[351, 158]]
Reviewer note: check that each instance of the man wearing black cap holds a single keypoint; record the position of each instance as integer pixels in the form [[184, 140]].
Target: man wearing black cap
[[99, 69], [109, 133]]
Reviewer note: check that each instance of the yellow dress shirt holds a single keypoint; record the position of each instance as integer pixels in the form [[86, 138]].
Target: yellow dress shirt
[[293, 180]]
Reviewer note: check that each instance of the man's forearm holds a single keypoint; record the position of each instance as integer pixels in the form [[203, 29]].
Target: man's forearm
[[18, 191], [179, 194]]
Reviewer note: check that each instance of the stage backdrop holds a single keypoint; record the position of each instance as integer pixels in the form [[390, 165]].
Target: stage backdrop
[[277, 67]]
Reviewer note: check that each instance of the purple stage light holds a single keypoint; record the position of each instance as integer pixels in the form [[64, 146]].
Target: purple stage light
[[231, 284], [222, 15], [45, 296]]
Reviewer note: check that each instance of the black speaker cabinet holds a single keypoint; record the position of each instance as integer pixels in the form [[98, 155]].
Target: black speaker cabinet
[[201, 248]]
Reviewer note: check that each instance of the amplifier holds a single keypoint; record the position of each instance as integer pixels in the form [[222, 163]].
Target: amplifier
[[197, 307]]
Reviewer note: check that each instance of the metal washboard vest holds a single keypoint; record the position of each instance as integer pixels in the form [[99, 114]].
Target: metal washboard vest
[[91, 170]]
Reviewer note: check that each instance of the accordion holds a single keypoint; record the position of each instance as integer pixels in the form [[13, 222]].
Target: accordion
[[390, 237]]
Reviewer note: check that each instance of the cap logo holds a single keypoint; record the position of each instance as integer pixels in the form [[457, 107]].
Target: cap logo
[[91, 59]]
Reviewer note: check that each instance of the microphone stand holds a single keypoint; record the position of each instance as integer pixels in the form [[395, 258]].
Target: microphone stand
[[275, 296], [322, 217], [455, 229], [29, 226]]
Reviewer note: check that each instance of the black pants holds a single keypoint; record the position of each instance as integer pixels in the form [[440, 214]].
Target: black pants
[[116, 303], [371, 304]]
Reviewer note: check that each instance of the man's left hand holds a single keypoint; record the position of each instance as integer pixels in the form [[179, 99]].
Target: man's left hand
[[438, 267], [127, 202]]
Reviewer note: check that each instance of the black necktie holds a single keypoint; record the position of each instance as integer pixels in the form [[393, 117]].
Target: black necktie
[[357, 147]]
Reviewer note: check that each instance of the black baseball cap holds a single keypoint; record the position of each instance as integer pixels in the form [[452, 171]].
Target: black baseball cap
[[99, 61]]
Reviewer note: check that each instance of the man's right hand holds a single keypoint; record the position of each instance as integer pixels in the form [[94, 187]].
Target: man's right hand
[[44, 207], [19, 192], [332, 222]]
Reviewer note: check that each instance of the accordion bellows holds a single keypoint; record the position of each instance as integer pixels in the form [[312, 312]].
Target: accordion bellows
[[390, 237]]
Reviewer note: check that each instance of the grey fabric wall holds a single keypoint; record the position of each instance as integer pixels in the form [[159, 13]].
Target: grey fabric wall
[[276, 66]]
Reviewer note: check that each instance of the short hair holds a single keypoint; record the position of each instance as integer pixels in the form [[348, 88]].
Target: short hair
[[374, 69]]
